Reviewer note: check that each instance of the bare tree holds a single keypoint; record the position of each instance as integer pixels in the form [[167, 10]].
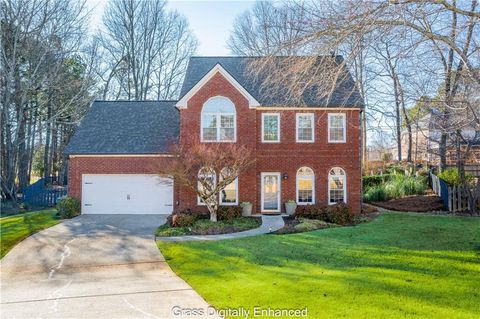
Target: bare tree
[[446, 28], [265, 29], [145, 49], [205, 170], [44, 83]]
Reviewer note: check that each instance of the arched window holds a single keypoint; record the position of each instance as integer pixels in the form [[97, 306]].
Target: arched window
[[207, 180], [305, 186], [229, 194], [337, 186], [218, 121]]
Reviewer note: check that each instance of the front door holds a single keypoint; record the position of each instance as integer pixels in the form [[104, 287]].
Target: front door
[[270, 192]]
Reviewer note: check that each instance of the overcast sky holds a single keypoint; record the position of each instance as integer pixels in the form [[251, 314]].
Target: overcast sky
[[211, 21]]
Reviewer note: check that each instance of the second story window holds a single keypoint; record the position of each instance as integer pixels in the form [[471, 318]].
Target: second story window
[[305, 128], [218, 120], [336, 128], [270, 127]]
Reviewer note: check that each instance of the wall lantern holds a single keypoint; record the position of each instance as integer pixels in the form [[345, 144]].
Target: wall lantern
[[285, 176]]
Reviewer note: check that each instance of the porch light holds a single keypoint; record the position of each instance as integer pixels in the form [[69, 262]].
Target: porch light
[[285, 176]]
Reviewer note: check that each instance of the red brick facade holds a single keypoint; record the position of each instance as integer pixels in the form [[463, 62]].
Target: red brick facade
[[285, 157]]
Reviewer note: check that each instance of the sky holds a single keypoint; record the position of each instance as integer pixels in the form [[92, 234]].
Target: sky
[[211, 21]]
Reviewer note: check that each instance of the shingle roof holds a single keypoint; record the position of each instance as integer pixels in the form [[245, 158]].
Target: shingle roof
[[126, 127], [345, 94]]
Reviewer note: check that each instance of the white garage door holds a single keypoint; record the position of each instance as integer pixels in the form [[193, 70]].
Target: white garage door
[[126, 194]]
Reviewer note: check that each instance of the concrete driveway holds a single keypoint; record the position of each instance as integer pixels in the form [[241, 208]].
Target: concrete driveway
[[94, 266]]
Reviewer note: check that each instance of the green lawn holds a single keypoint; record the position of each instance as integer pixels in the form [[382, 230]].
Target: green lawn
[[397, 266], [16, 228]]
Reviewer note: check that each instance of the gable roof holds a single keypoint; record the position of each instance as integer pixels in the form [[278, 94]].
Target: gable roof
[[126, 127], [345, 94], [182, 103]]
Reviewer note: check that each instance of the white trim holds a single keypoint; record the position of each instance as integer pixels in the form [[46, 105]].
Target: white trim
[[236, 196], [218, 120], [313, 187], [278, 127], [312, 118], [344, 128], [344, 184], [182, 103], [279, 179], [218, 116], [306, 108], [123, 155]]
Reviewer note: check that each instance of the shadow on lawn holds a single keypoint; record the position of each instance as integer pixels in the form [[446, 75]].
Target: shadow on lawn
[[395, 257]]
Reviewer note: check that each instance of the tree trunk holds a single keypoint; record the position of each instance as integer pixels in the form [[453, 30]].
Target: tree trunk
[[442, 151], [22, 161], [46, 155]]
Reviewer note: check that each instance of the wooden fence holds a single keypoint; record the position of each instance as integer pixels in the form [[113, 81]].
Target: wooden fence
[[455, 198], [39, 195]]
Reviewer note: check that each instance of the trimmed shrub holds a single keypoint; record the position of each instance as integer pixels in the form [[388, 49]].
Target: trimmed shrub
[[310, 212], [68, 207], [375, 194], [229, 212], [339, 214], [452, 176], [186, 217], [182, 220]]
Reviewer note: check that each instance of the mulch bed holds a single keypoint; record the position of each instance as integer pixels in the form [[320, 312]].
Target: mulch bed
[[413, 204], [368, 214]]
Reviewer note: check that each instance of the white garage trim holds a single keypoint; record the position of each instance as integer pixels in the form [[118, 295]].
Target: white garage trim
[[126, 194]]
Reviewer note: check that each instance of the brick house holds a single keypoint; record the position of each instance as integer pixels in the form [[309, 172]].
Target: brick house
[[309, 153]]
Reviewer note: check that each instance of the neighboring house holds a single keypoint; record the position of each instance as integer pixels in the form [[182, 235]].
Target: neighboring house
[[308, 152], [426, 134]]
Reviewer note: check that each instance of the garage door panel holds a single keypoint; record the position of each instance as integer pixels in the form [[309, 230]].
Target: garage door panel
[[126, 194]]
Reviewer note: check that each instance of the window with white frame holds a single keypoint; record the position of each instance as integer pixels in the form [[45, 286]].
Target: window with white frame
[[305, 186], [270, 127], [305, 127], [336, 128], [229, 194], [336, 186], [218, 120], [207, 178]]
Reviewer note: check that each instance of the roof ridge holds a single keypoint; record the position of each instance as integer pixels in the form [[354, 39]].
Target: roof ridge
[[260, 56], [135, 101]]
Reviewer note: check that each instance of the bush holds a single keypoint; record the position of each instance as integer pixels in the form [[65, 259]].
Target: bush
[[336, 214], [402, 186], [452, 176], [375, 194], [339, 214], [375, 180], [186, 217], [229, 212], [68, 207], [182, 220], [310, 212]]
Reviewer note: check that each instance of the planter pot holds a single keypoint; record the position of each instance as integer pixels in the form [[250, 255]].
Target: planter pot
[[247, 209], [290, 208]]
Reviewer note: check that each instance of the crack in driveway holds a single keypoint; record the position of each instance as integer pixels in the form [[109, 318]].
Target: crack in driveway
[[94, 266]]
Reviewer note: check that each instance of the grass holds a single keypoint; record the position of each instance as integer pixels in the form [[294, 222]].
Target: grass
[[204, 227], [401, 265], [16, 228]]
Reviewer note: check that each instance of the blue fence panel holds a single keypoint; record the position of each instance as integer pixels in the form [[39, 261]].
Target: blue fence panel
[[444, 192], [37, 194]]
